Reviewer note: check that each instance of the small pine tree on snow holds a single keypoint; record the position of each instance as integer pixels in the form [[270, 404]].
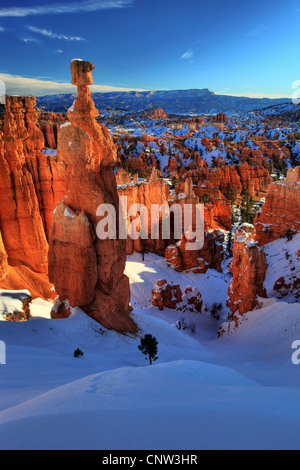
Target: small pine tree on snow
[[78, 353], [148, 347]]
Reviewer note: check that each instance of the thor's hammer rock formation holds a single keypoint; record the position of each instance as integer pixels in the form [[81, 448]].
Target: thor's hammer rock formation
[[88, 272]]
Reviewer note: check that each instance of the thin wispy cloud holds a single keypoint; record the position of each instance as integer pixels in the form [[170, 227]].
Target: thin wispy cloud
[[257, 31], [188, 55], [2, 29], [63, 8], [50, 34], [29, 40]]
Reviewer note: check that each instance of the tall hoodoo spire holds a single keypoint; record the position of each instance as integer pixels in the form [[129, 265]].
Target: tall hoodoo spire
[[86, 271]]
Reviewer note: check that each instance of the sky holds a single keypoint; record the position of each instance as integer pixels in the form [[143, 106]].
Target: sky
[[231, 47]]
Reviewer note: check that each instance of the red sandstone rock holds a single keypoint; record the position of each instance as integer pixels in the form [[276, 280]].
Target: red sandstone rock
[[166, 295], [281, 210], [210, 256], [98, 284], [21, 221], [249, 270], [221, 117], [3, 260], [49, 124], [154, 113], [147, 195], [170, 296], [122, 177]]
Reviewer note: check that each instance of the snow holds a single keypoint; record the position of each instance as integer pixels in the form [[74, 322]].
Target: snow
[[68, 214], [237, 392], [65, 124], [11, 301]]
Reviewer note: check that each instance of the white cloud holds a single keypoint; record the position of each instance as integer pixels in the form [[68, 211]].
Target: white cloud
[[50, 34], [30, 40], [2, 29], [63, 8], [188, 55], [17, 85], [58, 51]]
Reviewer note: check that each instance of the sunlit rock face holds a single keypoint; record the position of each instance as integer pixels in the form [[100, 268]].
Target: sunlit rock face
[[281, 210], [86, 271]]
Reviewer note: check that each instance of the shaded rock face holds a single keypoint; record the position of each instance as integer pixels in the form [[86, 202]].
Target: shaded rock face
[[49, 124], [281, 210], [87, 271], [249, 271]]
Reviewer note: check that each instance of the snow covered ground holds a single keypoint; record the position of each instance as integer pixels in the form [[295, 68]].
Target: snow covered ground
[[241, 391]]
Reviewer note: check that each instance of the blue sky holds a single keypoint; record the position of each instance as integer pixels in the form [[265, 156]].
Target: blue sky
[[231, 47]]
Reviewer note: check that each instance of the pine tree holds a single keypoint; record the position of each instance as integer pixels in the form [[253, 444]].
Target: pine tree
[[148, 347]]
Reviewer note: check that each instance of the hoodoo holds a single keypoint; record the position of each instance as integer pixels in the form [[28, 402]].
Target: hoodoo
[[88, 272]]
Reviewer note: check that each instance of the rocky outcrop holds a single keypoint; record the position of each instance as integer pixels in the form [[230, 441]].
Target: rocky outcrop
[[166, 295], [210, 256], [170, 296], [248, 270], [221, 117], [22, 315], [281, 210], [154, 113], [88, 271], [122, 177]]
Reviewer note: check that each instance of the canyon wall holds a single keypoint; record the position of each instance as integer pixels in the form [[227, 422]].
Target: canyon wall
[[281, 210]]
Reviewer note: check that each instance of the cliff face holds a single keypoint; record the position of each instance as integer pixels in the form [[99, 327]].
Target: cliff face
[[20, 219], [96, 281], [49, 124], [30, 186], [153, 192], [241, 177], [281, 211], [249, 270]]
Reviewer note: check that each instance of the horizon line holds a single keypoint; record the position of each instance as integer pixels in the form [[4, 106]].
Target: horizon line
[[19, 85]]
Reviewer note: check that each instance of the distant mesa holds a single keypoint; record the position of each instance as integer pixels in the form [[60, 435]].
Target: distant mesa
[[202, 101]]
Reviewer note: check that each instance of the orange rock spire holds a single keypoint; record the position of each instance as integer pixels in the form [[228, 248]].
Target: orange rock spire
[[85, 270]]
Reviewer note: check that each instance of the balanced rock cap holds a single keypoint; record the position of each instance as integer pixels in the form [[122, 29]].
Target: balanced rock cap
[[82, 72]]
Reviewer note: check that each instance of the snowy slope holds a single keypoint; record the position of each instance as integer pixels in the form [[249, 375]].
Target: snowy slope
[[282, 259], [238, 392]]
